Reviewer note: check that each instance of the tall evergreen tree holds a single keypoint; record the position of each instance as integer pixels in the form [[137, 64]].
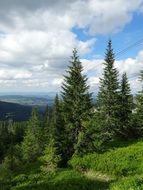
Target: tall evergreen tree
[[109, 94], [47, 115], [76, 101], [57, 120], [46, 125], [50, 159], [57, 127], [126, 106], [139, 108], [87, 143], [5, 139], [32, 145]]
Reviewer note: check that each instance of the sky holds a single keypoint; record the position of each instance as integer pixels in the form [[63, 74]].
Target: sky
[[37, 38]]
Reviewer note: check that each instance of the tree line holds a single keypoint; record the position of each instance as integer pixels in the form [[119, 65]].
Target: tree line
[[75, 125]]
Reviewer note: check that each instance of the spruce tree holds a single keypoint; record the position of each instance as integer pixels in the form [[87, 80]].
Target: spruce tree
[[46, 125], [139, 112], [139, 108], [86, 143], [57, 121], [32, 145], [57, 127], [76, 101], [108, 96], [47, 116], [50, 158], [126, 106], [5, 139]]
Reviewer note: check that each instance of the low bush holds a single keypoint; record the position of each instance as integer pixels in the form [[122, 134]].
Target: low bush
[[119, 162], [128, 183], [62, 180]]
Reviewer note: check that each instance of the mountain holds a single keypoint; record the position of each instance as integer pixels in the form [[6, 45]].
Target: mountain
[[14, 111], [18, 106], [30, 100]]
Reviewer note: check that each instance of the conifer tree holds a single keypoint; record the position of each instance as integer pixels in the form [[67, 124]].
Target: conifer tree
[[109, 94], [47, 115], [57, 126], [126, 106], [86, 139], [50, 159], [4, 139], [46, 125], [139, 108], [139, 112], [76, 101], [57, 118], [32, 145]]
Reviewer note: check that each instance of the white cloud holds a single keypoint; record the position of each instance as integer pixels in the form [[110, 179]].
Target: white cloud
[[130, 65], [14, 74], [36, 38], [94, 70], [57, 81], [104, 16]]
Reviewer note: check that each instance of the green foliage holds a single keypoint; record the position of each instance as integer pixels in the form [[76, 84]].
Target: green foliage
[[11, 164], [46, 126], [4, 139], [125, 161], [76, 101], [50, 158], [11, 133], [139, 108], [87, 139], [33, 144], [126, 106], [62, 180], [31, 155], [128, 183], [118, 162], [58, 128], [139, 112], [108, 96]]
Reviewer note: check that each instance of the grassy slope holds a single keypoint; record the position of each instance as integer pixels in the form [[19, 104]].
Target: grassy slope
[[117, 169], [123, 165], [62, 180]]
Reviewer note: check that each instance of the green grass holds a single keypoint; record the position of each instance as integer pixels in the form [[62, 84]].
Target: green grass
[[128, 183], [117, 169], [62, 180], [117, 162]]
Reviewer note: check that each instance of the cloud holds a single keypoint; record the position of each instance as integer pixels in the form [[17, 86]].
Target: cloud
[[36, 38], [94, 70], [104, 16], [14, 74], [130, 65], [98, 16]]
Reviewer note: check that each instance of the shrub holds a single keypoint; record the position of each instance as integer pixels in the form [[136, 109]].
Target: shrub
[[128, 183], [50, 159], [63, 180], [118, 162]]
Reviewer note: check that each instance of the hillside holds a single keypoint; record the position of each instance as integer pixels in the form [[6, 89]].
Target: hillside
[[14, 111], [117, 169], [31, 100], [75, 145]]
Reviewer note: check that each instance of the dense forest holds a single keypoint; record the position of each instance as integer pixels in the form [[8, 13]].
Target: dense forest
[[78, 143]]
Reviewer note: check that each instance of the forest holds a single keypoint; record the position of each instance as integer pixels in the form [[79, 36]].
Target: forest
[[79, 142]]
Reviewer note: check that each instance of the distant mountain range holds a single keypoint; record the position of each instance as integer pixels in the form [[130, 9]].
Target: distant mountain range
[[18, 107], [42, 100], [14, 111]]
